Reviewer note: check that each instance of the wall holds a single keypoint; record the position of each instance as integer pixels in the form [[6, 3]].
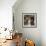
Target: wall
[[28, 6], [6, 13], [43, 22]]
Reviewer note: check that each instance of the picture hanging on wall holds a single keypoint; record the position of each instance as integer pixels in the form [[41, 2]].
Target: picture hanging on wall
[[29, 20]]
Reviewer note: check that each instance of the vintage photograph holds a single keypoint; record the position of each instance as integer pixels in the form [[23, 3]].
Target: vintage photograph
[[29, 20]]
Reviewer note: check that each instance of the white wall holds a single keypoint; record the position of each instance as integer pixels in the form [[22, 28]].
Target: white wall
[[28, 6], [6, 13], [43, 22]]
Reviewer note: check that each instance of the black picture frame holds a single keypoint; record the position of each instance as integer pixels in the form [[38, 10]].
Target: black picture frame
[[29, 20]]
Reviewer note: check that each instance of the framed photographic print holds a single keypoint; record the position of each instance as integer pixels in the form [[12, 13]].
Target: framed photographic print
[[29, 20]]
